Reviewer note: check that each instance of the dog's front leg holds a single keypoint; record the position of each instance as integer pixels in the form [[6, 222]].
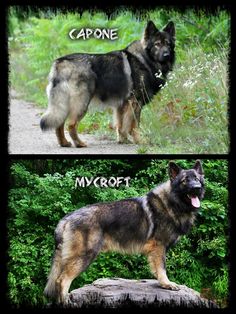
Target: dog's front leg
[[134, 130], [122, 125], [156, 253]]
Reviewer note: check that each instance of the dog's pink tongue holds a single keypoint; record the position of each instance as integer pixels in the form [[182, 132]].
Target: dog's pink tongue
[[195, 201]]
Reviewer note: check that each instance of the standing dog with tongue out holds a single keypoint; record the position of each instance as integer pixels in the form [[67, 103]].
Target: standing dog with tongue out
[[149, 224]]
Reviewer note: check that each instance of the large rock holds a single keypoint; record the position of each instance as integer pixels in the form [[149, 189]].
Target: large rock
[[117, 293]]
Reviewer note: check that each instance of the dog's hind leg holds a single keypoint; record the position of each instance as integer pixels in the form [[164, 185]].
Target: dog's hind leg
[[61, 137], [79, 100], [79, 253], [73, 123], [72, 268]]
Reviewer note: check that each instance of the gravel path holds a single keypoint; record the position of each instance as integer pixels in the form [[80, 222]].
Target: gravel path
[[26, 137]]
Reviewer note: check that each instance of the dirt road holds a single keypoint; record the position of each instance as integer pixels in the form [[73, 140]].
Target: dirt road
[[26, 137]]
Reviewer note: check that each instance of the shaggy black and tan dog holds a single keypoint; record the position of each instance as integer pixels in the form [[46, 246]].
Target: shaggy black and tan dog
[[125, 79], [148, 225]]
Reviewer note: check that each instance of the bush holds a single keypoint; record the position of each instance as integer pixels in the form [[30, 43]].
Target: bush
[[43, 191]]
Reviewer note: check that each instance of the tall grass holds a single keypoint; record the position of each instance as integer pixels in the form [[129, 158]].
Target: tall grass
[[189, 115]]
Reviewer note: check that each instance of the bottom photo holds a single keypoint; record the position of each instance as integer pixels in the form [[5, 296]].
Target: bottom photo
[[116, 233]]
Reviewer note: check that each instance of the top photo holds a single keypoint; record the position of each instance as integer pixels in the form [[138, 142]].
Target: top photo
[[118, 81]]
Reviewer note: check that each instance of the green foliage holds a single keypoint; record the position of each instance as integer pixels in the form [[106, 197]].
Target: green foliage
[[190, 101], [195, 100], [43, 191]]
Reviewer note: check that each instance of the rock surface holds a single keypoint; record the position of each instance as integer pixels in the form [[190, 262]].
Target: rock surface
[[121, 293]]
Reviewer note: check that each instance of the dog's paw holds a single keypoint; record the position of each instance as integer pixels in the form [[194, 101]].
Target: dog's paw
[[66, 144], [170, 285], [124, 141], [80, 144], [136, 138]]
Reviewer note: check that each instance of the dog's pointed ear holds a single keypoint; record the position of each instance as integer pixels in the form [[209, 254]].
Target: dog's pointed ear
[[198, 167], [174, 170], [170, 28], [150, 30]]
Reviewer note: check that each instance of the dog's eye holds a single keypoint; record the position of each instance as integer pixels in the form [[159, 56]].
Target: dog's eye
[[157, 44]]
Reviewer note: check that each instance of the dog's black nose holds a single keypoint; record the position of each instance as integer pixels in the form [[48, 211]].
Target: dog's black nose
[[196, 189]]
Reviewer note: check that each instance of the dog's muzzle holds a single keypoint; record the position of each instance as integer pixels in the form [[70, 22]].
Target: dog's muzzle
[[194, 194]]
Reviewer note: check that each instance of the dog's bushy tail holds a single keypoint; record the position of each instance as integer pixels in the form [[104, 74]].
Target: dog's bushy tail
[[51, 290], [58, 101], [52, 120], [58, 108]]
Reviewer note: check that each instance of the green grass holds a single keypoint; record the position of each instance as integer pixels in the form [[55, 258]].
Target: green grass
[[188, 116], [190, 113]]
